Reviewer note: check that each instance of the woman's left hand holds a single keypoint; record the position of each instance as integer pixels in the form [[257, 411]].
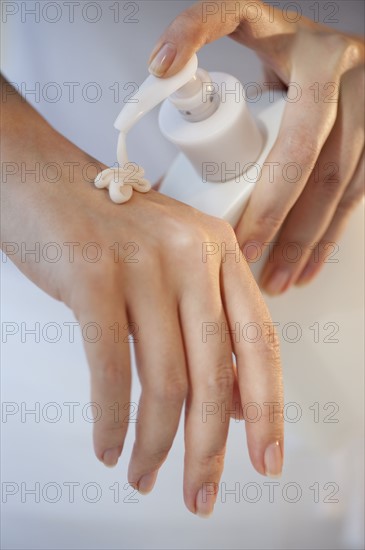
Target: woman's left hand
[[321, 138]]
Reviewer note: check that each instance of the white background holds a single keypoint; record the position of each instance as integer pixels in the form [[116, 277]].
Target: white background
[[61, 452]]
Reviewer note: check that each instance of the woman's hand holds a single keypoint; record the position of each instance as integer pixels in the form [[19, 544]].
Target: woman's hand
[[172, 277], [322, 132]]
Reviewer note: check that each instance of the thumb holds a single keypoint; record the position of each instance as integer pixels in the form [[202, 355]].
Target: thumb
[[200, 24]]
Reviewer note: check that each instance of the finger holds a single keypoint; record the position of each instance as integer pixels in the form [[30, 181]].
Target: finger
[[209, 402], [205, 22], [237, 412], [102, 319], [312, 214], [352, 197], [162, 371], [256, 348], [305, 127]]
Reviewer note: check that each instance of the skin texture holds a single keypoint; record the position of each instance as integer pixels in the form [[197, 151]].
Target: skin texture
[[163, 297], [322, 132]]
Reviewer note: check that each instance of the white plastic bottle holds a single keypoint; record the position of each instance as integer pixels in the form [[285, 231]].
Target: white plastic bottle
[[223, 145]]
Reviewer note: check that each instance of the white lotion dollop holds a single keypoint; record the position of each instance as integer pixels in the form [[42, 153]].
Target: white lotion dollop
[[124, 178]]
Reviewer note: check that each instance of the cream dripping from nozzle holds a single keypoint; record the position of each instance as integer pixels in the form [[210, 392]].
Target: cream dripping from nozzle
[[185, 91]]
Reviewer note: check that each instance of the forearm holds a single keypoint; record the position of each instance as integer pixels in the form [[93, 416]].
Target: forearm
[[42, 173], [39, 165]]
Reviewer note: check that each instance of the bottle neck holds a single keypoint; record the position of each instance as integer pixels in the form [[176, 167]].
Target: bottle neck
[[198, 99]]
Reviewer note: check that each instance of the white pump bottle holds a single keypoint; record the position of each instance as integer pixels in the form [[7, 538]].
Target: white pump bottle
[[223, 146]]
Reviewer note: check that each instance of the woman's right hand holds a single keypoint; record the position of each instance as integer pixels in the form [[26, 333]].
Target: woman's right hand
[[174, 278]]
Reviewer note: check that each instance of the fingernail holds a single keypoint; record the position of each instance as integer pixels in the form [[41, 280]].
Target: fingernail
[[163, 59], [205, 500], [273, 460], [252, 251], [147, 482], [277, 282], [111, 456]]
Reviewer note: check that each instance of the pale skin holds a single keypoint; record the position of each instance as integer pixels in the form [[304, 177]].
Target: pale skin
[[168, 294], [322, 132]]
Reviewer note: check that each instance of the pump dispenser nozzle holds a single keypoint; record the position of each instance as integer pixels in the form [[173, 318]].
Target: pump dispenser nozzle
[[152, 92]]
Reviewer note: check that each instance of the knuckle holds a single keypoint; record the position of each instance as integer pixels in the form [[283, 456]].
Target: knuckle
[[267, 223], [109, 374], [220, 381], [211, 461], [334, 42], [189, 24], [351, 52], [173, 389], [272, 345], [300, 147], [342, 51], [226, 230], [151, 458], [221, 233], [185, 238], [329, 188]]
